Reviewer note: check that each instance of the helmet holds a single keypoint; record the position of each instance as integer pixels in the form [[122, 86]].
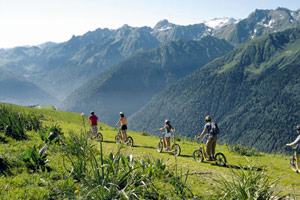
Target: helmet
[[298, 127], [92, 112], [167, 121], [121, 113], [207, 118]]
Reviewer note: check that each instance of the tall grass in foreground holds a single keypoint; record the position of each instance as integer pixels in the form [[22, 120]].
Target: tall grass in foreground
[[120, 177], [247, 183], [34, 159]]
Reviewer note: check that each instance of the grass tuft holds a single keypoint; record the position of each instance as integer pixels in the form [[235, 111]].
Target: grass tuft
[[246, 183]]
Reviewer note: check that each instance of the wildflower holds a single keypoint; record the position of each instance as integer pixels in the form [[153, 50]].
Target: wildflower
[[76, 191]]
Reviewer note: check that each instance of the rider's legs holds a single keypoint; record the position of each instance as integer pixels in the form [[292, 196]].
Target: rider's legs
[[168, 143], [168, 137], [124, 130], [214, 144], [164, 141], [124, 135], [94, 130], [210, 147]]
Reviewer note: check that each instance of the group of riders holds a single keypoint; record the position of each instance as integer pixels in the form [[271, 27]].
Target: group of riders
[[209, 127], [94, 125], [169, 130]]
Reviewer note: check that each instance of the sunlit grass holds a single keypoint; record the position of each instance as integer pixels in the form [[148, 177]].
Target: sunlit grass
[[200, 178]]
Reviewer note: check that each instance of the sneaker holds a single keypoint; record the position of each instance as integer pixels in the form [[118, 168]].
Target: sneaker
[[209, 159]]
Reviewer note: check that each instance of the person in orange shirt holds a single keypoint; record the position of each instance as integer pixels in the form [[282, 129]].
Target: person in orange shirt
[[123, 122]]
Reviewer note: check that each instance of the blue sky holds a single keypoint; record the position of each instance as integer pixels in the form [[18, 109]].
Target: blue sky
[[31, 22]]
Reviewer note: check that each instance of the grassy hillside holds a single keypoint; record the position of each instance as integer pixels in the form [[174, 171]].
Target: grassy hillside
[[18, 182]]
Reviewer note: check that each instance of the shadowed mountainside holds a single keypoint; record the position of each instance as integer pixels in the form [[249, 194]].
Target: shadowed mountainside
[[252, 93]]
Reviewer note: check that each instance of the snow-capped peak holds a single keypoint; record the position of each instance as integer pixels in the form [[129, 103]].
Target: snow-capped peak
[[217, 23]]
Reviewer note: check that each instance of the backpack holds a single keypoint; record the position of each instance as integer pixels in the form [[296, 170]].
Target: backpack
[[214, 128]]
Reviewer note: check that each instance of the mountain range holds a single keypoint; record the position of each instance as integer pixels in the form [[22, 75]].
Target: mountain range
[[133, 82], [251, 92], [82, 57]]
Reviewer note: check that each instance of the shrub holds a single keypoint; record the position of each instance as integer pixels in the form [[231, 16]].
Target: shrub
[[33, 122], [144, 133], [35, 160], [14, 124], [3, 139], [4, 166], [53, 135], [178, 138], [195, 139], [244, 151]]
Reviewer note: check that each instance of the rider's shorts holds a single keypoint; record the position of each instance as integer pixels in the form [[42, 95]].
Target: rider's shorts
[[124, 127], [94, 129], [168, 135]]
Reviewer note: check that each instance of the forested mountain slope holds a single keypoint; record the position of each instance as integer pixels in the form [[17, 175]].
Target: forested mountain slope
[[252, 92], [130, 84]]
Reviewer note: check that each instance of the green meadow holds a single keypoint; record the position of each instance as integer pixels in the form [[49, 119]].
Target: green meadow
[[57, 180]]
